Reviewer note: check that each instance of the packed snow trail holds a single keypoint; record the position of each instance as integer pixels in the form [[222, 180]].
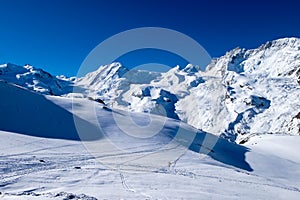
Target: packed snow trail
[[69, 169]]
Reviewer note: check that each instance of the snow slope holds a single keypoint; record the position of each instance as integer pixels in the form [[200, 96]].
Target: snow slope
[[260, 89], [57, 143], [26, 112], [47, 161], [241, 94]]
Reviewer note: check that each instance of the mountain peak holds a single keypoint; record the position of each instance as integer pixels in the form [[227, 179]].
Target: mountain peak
[[291, 42], [190, 68], [241, 93]]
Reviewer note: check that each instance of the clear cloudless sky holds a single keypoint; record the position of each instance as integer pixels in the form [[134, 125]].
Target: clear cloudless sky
[[56, 35]]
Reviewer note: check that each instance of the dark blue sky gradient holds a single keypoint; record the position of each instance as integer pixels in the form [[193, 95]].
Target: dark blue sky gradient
[[57, 35]]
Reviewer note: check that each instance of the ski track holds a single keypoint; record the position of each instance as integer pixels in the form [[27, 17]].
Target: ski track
[[193, 175], [22, 169], [28, 165]]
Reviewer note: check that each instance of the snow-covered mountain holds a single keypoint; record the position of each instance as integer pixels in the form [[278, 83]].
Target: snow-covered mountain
[[43, 157], [255, 91], [55, 143], [241, 94], [36, 80]]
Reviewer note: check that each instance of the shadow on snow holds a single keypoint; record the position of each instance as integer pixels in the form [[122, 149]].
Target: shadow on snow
[[32, 114]]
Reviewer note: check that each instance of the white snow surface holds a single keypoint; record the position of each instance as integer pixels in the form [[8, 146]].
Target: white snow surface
[[157, 137], [36, 80], [241, 94], [42, 156]]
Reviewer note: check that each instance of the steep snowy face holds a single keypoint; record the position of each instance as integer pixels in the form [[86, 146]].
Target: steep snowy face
[[252, 92], [168, 90], [278, 58], [241, 94], [159, 95], [35, 79], [102, 82], [111, 82], [139, 90]]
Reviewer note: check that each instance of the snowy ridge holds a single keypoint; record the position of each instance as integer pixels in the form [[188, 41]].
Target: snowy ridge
[[35, 79], [262, 88], [241, 94], [41, 156], [58, 147], [111, 81]]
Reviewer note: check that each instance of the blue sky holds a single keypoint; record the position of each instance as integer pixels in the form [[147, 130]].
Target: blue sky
[[57, 35]]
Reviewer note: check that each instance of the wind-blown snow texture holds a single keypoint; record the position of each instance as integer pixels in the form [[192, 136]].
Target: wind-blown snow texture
[[241, 94]]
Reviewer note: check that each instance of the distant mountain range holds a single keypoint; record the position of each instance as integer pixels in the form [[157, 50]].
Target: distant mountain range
[[241, 94]]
